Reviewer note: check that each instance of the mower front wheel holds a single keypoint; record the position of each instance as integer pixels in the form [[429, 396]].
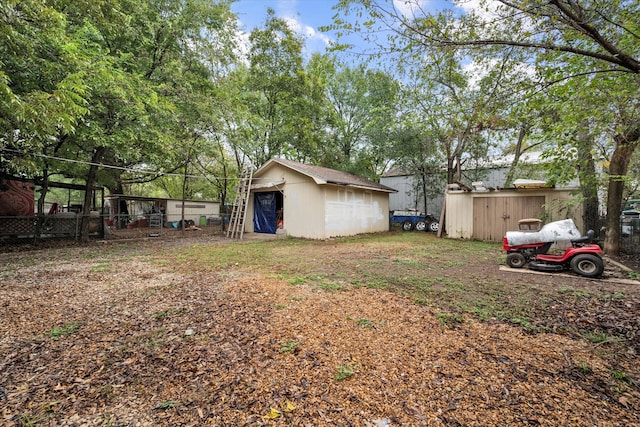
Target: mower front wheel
[[516, 260], [587, 265]]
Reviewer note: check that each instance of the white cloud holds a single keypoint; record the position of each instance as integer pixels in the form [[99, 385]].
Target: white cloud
[[484, 9], [306, 30], [410, 8]]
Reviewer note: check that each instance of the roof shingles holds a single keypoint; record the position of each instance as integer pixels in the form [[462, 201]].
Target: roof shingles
[[332, 176]]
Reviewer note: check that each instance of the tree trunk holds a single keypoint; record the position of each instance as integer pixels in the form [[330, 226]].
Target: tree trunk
[[88, 193], [423, 185], [508, 181], [588, 181], [625, 145]]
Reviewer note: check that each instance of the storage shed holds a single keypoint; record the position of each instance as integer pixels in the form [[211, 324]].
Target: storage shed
[[488, 215], [314, 202], [125, 209]]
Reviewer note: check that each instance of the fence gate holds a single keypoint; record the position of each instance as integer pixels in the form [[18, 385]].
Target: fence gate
[[494, 216]]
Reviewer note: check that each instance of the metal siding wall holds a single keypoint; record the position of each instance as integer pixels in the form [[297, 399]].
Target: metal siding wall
[[405, 198]]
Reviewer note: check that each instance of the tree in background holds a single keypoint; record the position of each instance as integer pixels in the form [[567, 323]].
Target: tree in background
[[122, 83], [273, 92], [364, 109], [561, 37]]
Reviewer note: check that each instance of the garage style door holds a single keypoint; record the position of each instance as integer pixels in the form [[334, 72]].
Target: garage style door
[[494, 216]]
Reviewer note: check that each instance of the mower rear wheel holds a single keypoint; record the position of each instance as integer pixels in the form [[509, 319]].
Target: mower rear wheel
[[434, 226], [421, 226], [587, 265], [516, 260]]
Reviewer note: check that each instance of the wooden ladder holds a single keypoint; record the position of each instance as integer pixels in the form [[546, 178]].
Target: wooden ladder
[[239, 211]]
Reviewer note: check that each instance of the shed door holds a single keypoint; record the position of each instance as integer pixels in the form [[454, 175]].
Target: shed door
[[494, 216], [264, 213], [267, 212]]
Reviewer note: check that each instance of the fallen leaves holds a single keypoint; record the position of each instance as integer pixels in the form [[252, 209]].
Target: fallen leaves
[[285, 407], [161, 347]]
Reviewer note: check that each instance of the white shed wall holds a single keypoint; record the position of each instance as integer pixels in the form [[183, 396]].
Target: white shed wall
[[354, 211], [459, 215], [303, 208]]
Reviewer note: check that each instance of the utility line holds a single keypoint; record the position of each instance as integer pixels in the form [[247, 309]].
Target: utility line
[[82, 162]]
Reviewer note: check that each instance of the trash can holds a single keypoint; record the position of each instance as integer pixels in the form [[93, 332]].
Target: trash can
[[203, 220]]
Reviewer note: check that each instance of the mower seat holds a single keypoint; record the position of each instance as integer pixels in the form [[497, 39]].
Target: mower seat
[[584, 239]]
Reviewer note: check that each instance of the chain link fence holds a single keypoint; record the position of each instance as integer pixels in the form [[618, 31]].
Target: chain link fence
[[630, 236]]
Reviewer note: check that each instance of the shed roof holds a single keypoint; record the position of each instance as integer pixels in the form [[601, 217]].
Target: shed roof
[[322, 175]]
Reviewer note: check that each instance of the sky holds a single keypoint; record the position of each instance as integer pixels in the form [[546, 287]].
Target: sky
[[306, 16], [303, 16]]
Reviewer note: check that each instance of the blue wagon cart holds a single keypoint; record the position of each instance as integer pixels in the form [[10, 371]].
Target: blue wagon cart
[[411, 219]]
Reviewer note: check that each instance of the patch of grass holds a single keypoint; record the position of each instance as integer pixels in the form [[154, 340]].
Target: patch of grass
[[280, 306], [365, 323], [597, 337], [377, 284], [613, 296], [330, 286], [525, 323], [584, 368], [600, 337], [101, 268], [297, 280], [289, 346], [621, 375], [167, 404], [450, 319], [61, 331], [408, 262], [633, 275], [484, 314], [453, 263], [161, 315], [346, 371], [578, 293], [27, 421]]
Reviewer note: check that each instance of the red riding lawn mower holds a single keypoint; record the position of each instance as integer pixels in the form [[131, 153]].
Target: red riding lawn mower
[[531, 246]]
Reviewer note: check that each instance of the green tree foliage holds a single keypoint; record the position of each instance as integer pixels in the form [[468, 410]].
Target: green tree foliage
[[275, 92], [364, 110], [131, 83], [562, 39], [42, 84]]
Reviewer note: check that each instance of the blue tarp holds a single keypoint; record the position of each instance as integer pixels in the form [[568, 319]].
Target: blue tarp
[[264, 213]]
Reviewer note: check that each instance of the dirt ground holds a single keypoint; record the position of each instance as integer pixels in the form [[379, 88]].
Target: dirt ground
[[124, 335]]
